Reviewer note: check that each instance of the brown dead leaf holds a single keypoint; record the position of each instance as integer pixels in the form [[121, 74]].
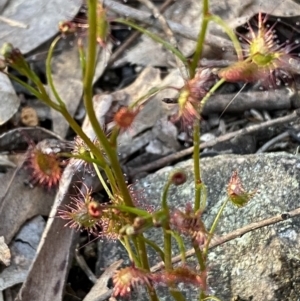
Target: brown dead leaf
[[47, 275]]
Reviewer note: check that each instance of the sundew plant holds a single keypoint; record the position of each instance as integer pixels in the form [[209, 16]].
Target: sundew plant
[[259, 58]]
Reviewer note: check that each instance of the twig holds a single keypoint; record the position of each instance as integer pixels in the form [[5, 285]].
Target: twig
[[100, 291], [268, 144], [167, 30], [273, 100], [248, 130], [120, 50], [235, 234], [13, 23], [161, 19], [184, 31], [81, 262]]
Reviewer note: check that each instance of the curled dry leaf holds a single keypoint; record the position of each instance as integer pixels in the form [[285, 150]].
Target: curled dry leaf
[[53, 254], [29, 116], [5, 255]]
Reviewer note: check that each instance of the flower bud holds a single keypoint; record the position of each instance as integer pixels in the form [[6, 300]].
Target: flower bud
[[236, 193], [67, 27], [125, 117], [13, 55], [178, 178], [94, 209]]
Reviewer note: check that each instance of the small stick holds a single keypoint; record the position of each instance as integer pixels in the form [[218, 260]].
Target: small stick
[[82, 263], [13, 23], [163, 22], [272, 141], [167, 30], [120, 50], [184, 31], [186, 152], [235, 234], [273, 100]]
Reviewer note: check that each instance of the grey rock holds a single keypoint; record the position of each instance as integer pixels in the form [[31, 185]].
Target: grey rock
[[260, 265]]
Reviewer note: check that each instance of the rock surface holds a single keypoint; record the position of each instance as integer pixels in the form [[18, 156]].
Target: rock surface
[[260, 265]]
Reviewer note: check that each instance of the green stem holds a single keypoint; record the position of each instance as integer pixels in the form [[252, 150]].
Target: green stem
[[210, 92], [199, 256], [164, 203], [133, 210], [49, 73], [150, 93], [201, 260], [142, 252], [100, 177], [231, 35], [198, 186], [38, 94], [180, 244], [200, 198], [201, 38], [154, 246], [78, 130], [145, 264], [82, 57], [143, 258], [88, 102], [63, 110], [80, 157], [114, 136], [111, 178], [152, 293], [34, 92], [125, 242], [154, 37], [166, 228], [196, 158], [44, 97], [177, 295], [213, 227], [168, 243], [167, 248]]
